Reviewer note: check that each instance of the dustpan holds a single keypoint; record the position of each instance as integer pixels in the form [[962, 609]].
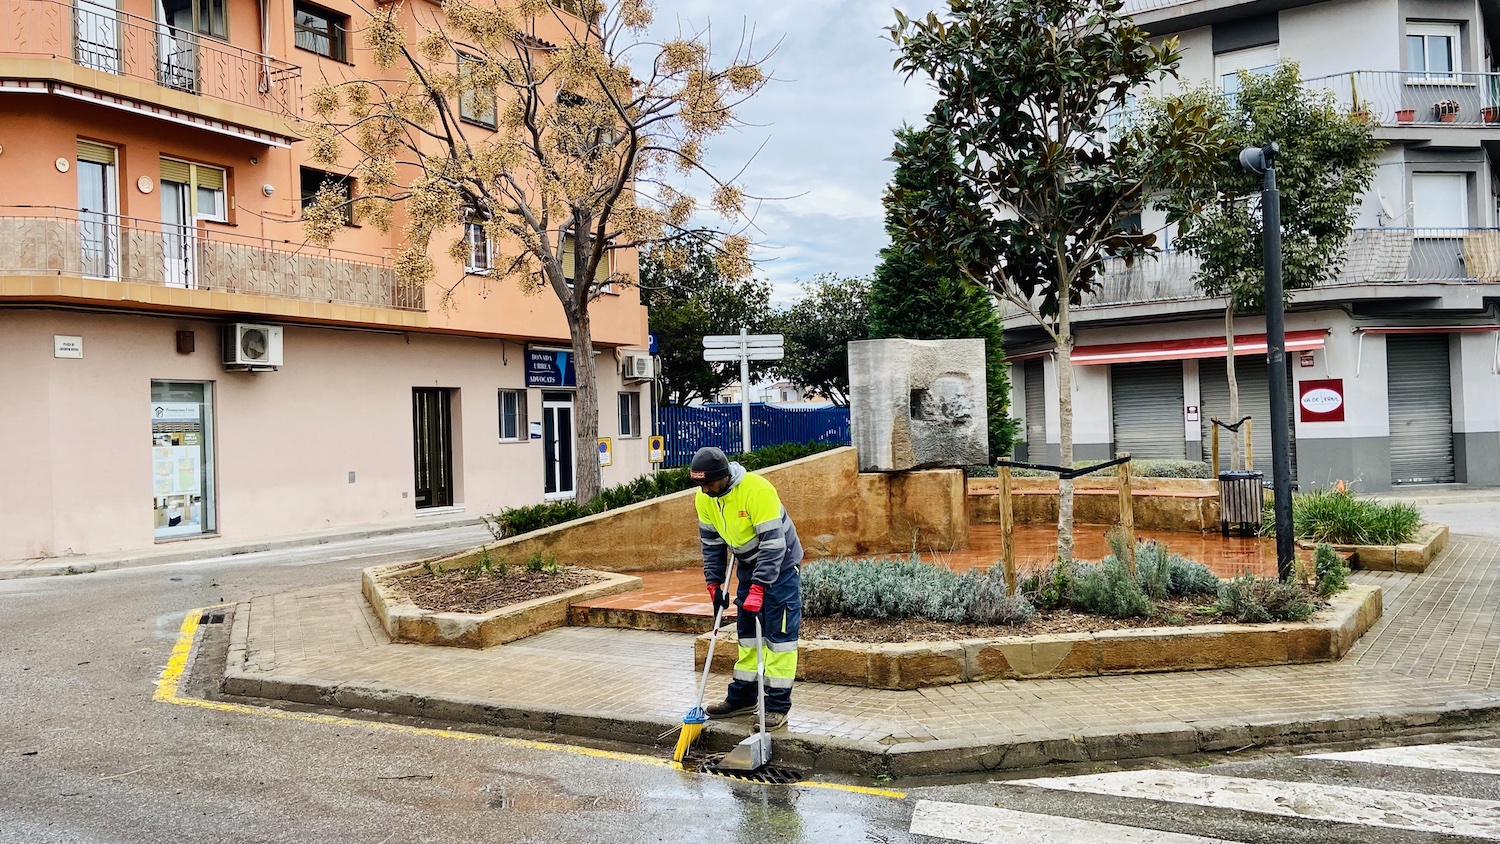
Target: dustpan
[[754, 752]]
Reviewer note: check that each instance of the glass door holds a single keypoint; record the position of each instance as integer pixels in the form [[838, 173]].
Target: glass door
[[97, 36], [177, 45], [182, 459], [98, 222], [179, 234], [557, 445], [432, 429]]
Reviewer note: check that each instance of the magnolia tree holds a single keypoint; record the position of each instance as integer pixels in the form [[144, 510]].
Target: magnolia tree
[[1028, 187], [553, 132]]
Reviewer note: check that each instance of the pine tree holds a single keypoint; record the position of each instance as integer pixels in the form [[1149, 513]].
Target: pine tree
[[916, 300]]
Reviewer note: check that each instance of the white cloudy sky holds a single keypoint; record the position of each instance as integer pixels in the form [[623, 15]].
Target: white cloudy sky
[[825, 122]]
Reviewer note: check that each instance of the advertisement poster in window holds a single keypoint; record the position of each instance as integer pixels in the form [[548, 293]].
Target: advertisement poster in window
[[177, 468]]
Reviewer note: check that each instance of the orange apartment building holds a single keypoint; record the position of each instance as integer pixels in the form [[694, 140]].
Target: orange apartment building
[[178, 363]]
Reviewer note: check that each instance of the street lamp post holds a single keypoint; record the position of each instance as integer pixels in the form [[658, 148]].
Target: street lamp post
[[1262, 161]]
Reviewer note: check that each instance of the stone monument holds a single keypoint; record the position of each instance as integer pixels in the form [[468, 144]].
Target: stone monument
[[918, 404]]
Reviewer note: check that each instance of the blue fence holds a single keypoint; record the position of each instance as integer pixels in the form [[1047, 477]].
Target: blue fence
[[688, 429]]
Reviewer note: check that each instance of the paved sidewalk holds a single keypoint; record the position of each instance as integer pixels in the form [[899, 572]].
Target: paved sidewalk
[[1431, 660], [207, 548]]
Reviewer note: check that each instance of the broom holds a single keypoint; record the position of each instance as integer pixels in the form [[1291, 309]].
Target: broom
[[697, 717]]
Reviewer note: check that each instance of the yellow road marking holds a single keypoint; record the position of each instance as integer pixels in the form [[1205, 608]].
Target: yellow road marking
[[170, 682]]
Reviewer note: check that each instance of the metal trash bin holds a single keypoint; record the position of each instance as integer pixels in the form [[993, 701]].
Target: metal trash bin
[[1241, 501]]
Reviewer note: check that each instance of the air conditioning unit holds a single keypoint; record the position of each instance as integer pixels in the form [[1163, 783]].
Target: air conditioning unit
[[252, 347], [638, 367]]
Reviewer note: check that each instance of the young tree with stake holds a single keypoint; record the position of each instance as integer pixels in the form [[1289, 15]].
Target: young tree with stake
[[1032, 196]]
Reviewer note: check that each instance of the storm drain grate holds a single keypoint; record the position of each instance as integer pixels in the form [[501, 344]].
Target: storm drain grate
[[770, 774], [211, 618]]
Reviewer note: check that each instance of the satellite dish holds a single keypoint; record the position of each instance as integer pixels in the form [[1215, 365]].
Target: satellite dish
[[1385, 205]]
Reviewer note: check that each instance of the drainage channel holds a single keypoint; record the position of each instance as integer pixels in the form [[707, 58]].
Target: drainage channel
[[768, 774]]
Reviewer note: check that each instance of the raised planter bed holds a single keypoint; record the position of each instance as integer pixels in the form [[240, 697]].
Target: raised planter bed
[[407, 622], [1412, 556], [1325, 637]]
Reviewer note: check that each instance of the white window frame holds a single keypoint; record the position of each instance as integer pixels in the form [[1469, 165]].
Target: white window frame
[[1451, 31], [1424, 220], [518, 397], [630, 415], [1262, 59], [478, 238]]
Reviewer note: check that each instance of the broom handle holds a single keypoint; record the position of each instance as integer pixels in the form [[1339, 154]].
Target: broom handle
[[760, 672], [709, 661]]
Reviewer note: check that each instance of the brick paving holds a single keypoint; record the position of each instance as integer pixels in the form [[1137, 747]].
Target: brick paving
[[1435, 649]]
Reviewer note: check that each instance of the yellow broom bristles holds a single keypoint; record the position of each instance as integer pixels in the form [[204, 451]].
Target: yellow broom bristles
[[690, 733]]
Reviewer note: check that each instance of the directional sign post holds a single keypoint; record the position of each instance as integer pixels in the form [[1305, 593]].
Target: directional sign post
[[743, 347]]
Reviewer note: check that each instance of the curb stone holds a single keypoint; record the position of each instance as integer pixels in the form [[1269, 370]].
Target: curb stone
[[870, 759], [61, 566]]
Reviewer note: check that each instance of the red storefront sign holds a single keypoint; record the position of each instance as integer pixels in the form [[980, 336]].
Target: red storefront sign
[[1322, 400]]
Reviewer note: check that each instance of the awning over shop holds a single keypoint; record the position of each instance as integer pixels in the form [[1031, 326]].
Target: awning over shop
[[1196, 347]]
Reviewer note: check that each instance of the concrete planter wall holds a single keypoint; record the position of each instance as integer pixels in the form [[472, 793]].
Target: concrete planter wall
[[1190, 504], [406, 622], [1327, 636], [1412, 556]]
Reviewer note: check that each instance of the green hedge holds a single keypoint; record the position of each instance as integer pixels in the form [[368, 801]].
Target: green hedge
[[1343, 518], [910, 588], [514, 521]]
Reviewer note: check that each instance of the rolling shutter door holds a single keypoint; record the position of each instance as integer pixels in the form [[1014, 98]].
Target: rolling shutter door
[[1421, 409], [1036, 410], [1147, 402], [1255, 402]]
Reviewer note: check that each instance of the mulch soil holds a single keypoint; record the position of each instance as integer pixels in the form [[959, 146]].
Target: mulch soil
[[1182, 611], [461, 590]]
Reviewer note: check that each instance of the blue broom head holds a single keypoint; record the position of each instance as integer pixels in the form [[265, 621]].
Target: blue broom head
[[696, 715]]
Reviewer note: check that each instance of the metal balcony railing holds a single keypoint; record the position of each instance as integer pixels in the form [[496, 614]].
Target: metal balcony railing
[[100, 37], [1372, 256], [1399, 98], [83, 244]]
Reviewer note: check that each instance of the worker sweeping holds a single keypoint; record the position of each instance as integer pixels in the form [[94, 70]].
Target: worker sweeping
[[740, 516]]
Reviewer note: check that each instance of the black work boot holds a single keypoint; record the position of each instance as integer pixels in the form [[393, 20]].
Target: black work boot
[[728, 709]]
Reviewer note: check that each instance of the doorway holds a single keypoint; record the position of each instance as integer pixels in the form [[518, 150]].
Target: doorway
[[1421, 409], [179, 234], [432, 428], [182, 459], [557, 445]]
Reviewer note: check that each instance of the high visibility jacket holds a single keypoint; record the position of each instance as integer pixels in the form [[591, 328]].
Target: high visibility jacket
[[748, 522]]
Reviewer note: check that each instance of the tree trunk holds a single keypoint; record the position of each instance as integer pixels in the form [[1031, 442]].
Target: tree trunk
[[585, 406], [1065, 425], [1234, 388]]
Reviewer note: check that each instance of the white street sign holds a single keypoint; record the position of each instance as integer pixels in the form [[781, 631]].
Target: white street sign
[[751, 341], [752, 354]]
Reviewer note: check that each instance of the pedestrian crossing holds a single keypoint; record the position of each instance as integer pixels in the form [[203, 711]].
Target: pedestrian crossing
[[1245, 793]]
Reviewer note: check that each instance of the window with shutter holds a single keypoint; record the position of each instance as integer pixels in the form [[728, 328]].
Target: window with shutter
[[206, 185]]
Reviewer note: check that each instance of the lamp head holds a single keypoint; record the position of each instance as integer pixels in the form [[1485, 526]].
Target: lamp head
[[1259, 159]]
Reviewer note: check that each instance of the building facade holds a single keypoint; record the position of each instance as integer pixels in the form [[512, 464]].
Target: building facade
[[180, 364], [1394, 366]]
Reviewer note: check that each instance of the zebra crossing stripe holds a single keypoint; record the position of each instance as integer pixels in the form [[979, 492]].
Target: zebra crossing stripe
[[1442, 757], [1340, 804], [988, 825]]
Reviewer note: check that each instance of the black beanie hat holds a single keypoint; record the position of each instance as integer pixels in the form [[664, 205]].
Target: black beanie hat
[[709, 464]]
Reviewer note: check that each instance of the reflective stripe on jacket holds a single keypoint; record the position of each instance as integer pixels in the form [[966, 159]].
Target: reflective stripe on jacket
[[748, 521]]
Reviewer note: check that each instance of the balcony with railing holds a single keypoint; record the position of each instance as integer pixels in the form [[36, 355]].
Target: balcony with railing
[[68, 243], [121, 46], [1396, 98], [1372, 256]]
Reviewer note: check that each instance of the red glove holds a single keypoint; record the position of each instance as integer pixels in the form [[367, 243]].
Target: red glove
[[756, 597]]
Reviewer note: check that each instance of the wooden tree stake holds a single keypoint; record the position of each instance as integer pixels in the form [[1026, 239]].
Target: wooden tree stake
[[1007, 532], [1127, 513]]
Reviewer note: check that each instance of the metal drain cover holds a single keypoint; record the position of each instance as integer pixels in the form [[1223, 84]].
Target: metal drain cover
[[211, 618], [770, 774]]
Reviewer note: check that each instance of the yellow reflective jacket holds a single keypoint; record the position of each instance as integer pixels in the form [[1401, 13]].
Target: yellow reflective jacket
[[748, 521]]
